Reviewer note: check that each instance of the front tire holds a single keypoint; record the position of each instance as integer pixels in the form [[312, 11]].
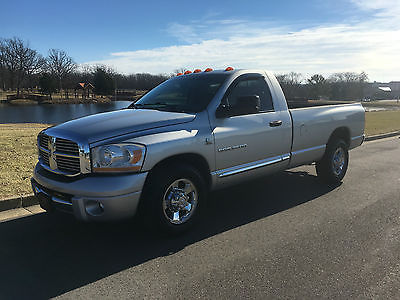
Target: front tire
[[175, 197], [333, 166]]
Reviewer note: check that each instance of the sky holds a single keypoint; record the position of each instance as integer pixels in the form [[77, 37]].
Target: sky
[[309, 37]]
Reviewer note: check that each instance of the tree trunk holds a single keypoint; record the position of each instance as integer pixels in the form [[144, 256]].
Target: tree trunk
[[18, 84], [11, 82], [60, 87], [20, 77]]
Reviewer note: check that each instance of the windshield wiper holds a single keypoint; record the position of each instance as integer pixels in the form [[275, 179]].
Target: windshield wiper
[[143, 105], [159, 106]]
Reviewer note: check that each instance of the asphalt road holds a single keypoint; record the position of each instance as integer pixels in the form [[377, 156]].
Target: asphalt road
[[284, 236]]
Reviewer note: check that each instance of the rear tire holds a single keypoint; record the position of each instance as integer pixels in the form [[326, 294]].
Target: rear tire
[[174, 198], [333, 165]]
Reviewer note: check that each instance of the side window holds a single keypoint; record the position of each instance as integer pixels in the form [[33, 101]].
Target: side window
[[249, 87]]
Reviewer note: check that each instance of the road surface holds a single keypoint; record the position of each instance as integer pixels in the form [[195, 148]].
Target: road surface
[[284, 236]]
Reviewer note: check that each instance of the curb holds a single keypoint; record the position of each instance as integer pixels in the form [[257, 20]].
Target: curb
[[381, 136], [22, 201], [29, 200]]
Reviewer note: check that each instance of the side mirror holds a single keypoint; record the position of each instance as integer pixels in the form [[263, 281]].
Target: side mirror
[[223, 111], [247, 105]]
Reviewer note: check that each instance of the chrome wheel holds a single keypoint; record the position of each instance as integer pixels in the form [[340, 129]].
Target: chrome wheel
[[338, 161], [180, 201]]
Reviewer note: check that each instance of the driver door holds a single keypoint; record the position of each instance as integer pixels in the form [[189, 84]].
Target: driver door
[[245, 142]]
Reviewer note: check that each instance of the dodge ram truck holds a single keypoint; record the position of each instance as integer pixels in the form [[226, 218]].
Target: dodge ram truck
[[192, 134]]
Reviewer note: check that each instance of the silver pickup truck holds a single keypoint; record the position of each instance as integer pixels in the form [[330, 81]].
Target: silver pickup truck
[[191, 134]]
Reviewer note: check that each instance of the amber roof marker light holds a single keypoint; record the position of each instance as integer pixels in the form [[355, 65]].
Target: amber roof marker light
[[229, 69], [208, 70], [187, 72], [179, 74], [197, 71]]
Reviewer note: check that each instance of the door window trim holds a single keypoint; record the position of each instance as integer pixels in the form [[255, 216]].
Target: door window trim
[[248, 76]]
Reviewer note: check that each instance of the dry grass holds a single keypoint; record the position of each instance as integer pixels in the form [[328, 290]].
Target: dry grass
[[382, 103], [18, 156], [382, 122]]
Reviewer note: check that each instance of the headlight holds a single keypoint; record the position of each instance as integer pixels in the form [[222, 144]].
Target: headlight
[[118, 158]]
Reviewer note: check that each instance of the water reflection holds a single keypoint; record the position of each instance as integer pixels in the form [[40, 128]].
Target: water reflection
[[54, 113]]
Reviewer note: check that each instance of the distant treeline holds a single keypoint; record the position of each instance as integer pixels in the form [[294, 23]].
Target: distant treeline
[[338, 86], [23, 68]]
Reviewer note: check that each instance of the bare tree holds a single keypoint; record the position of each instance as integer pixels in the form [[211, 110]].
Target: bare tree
[[316, 79], [294, 78], [3, 69], [20, 61], [180, 70], [60, 65], [348, 85], [318, 86], [291, 85]]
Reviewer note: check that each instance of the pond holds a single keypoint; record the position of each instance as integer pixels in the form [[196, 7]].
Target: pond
[[54, 113]]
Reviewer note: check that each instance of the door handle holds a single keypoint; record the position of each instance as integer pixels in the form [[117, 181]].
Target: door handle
[[275, 123]]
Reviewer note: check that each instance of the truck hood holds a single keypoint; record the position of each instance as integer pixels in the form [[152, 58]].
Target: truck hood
[[102, 126]]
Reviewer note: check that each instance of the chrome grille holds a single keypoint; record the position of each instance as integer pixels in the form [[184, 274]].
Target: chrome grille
[[44, 141], [67, 146], [68, 164], [62, 157], [44, 155]]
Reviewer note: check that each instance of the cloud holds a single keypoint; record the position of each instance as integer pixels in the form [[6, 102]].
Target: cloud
[[381, 8], [372, 46], [182, 32]]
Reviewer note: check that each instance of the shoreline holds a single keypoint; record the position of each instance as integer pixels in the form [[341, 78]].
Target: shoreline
[[63, 101]]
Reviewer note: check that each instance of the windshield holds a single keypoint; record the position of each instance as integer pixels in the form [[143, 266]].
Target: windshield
[[188, 93]]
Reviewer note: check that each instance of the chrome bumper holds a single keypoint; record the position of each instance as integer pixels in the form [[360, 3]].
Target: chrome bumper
[[91, 198]]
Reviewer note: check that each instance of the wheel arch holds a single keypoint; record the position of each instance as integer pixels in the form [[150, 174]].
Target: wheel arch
[[340, 133], [192, 159]]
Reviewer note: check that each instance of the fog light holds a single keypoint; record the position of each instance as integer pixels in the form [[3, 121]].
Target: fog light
[[94, 208]]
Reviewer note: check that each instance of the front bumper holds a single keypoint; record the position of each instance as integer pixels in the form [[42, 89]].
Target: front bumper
[[90, 198]]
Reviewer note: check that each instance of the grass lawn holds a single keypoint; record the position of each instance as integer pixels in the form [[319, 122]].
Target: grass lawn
[[382, 121], [19, 154]]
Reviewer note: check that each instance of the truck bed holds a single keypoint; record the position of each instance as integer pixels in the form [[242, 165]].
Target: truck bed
[[313, 125], [301, 103]]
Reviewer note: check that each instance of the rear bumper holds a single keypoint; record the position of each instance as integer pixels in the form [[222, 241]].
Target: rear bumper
[[91, 198]]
